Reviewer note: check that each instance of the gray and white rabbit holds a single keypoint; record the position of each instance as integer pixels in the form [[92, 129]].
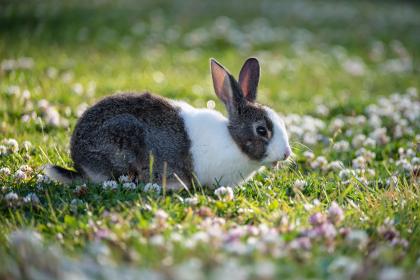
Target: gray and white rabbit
[[127, 133]]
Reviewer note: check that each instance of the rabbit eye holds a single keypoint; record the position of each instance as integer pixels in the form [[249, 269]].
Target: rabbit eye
[[262, 131]]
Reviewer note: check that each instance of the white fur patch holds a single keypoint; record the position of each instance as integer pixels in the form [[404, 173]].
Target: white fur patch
[[52, 173], [216, 157], [279, 144]]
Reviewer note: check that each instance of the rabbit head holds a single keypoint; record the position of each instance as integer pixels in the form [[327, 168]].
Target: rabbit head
[[257, 129]]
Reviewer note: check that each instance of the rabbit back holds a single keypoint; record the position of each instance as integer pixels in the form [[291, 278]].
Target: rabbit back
[[117, 136]]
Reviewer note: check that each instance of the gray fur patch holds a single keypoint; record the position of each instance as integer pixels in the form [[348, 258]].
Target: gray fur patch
[[242, 128], [117, 135]]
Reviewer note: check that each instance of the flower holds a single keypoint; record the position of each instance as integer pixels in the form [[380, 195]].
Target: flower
[[3, 150], [344, 266], [319, 162], [354, 66], [124, 179], [31, 198], [109, 185], [336, 165], [80, 190], [309, 155], [391, 273], [27, 145], [129, 186], [335, 213], [43, 179], [5, 171], [20, 175], [11, 145], [358, 140], [191, 200], [341, 146], [379, 135], [161, 215], [224, 193], [152, 188], [346, 174], [11, 196], [357, 238], [299, 184], [317, 219]]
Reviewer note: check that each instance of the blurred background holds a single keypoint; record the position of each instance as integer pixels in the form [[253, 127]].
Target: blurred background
[[313, 53]]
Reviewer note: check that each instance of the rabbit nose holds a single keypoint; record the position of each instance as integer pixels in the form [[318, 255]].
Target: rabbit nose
[[287, 153]]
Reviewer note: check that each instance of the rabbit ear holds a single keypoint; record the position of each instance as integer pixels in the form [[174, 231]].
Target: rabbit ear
[[249, 78], [226, 87]]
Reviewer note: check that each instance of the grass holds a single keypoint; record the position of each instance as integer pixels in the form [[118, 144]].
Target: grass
[[323, 64]]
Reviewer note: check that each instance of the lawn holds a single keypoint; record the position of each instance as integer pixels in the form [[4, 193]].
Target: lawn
[[344, 76]]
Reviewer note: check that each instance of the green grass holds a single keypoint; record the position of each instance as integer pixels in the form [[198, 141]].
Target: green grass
[[81, 52]]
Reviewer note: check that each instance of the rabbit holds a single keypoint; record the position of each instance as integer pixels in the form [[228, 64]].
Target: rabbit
[[152, 138]]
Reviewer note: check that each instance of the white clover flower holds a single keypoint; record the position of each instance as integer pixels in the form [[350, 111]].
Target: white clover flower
[[380, 136], [368, 155], [336, 165], [80, 190], [5, 171], [322, 110], [319, 162], [157, 240], [309, 155], [43, 105], [11, 145], [3, 150], [344, 266], [52, 117], [224, 193], [371, 172], [20, 175], [192, 201], [404, 165], [369, 143], [124, 179], [317, 219], [391, 273], [43, 179], [152, 188], [81, 109], [299, 184], [78, 88], [161, 215], [129, 186], [13, 90], [341, 146], [26, 168], [375, 121], [357, 238], [346, 174], [336, 124], [11, 196], [27, 145], [358, 140], [26, 94], [31, 198], [355, 66], [109, 185], [335, 213], [359, 163]]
